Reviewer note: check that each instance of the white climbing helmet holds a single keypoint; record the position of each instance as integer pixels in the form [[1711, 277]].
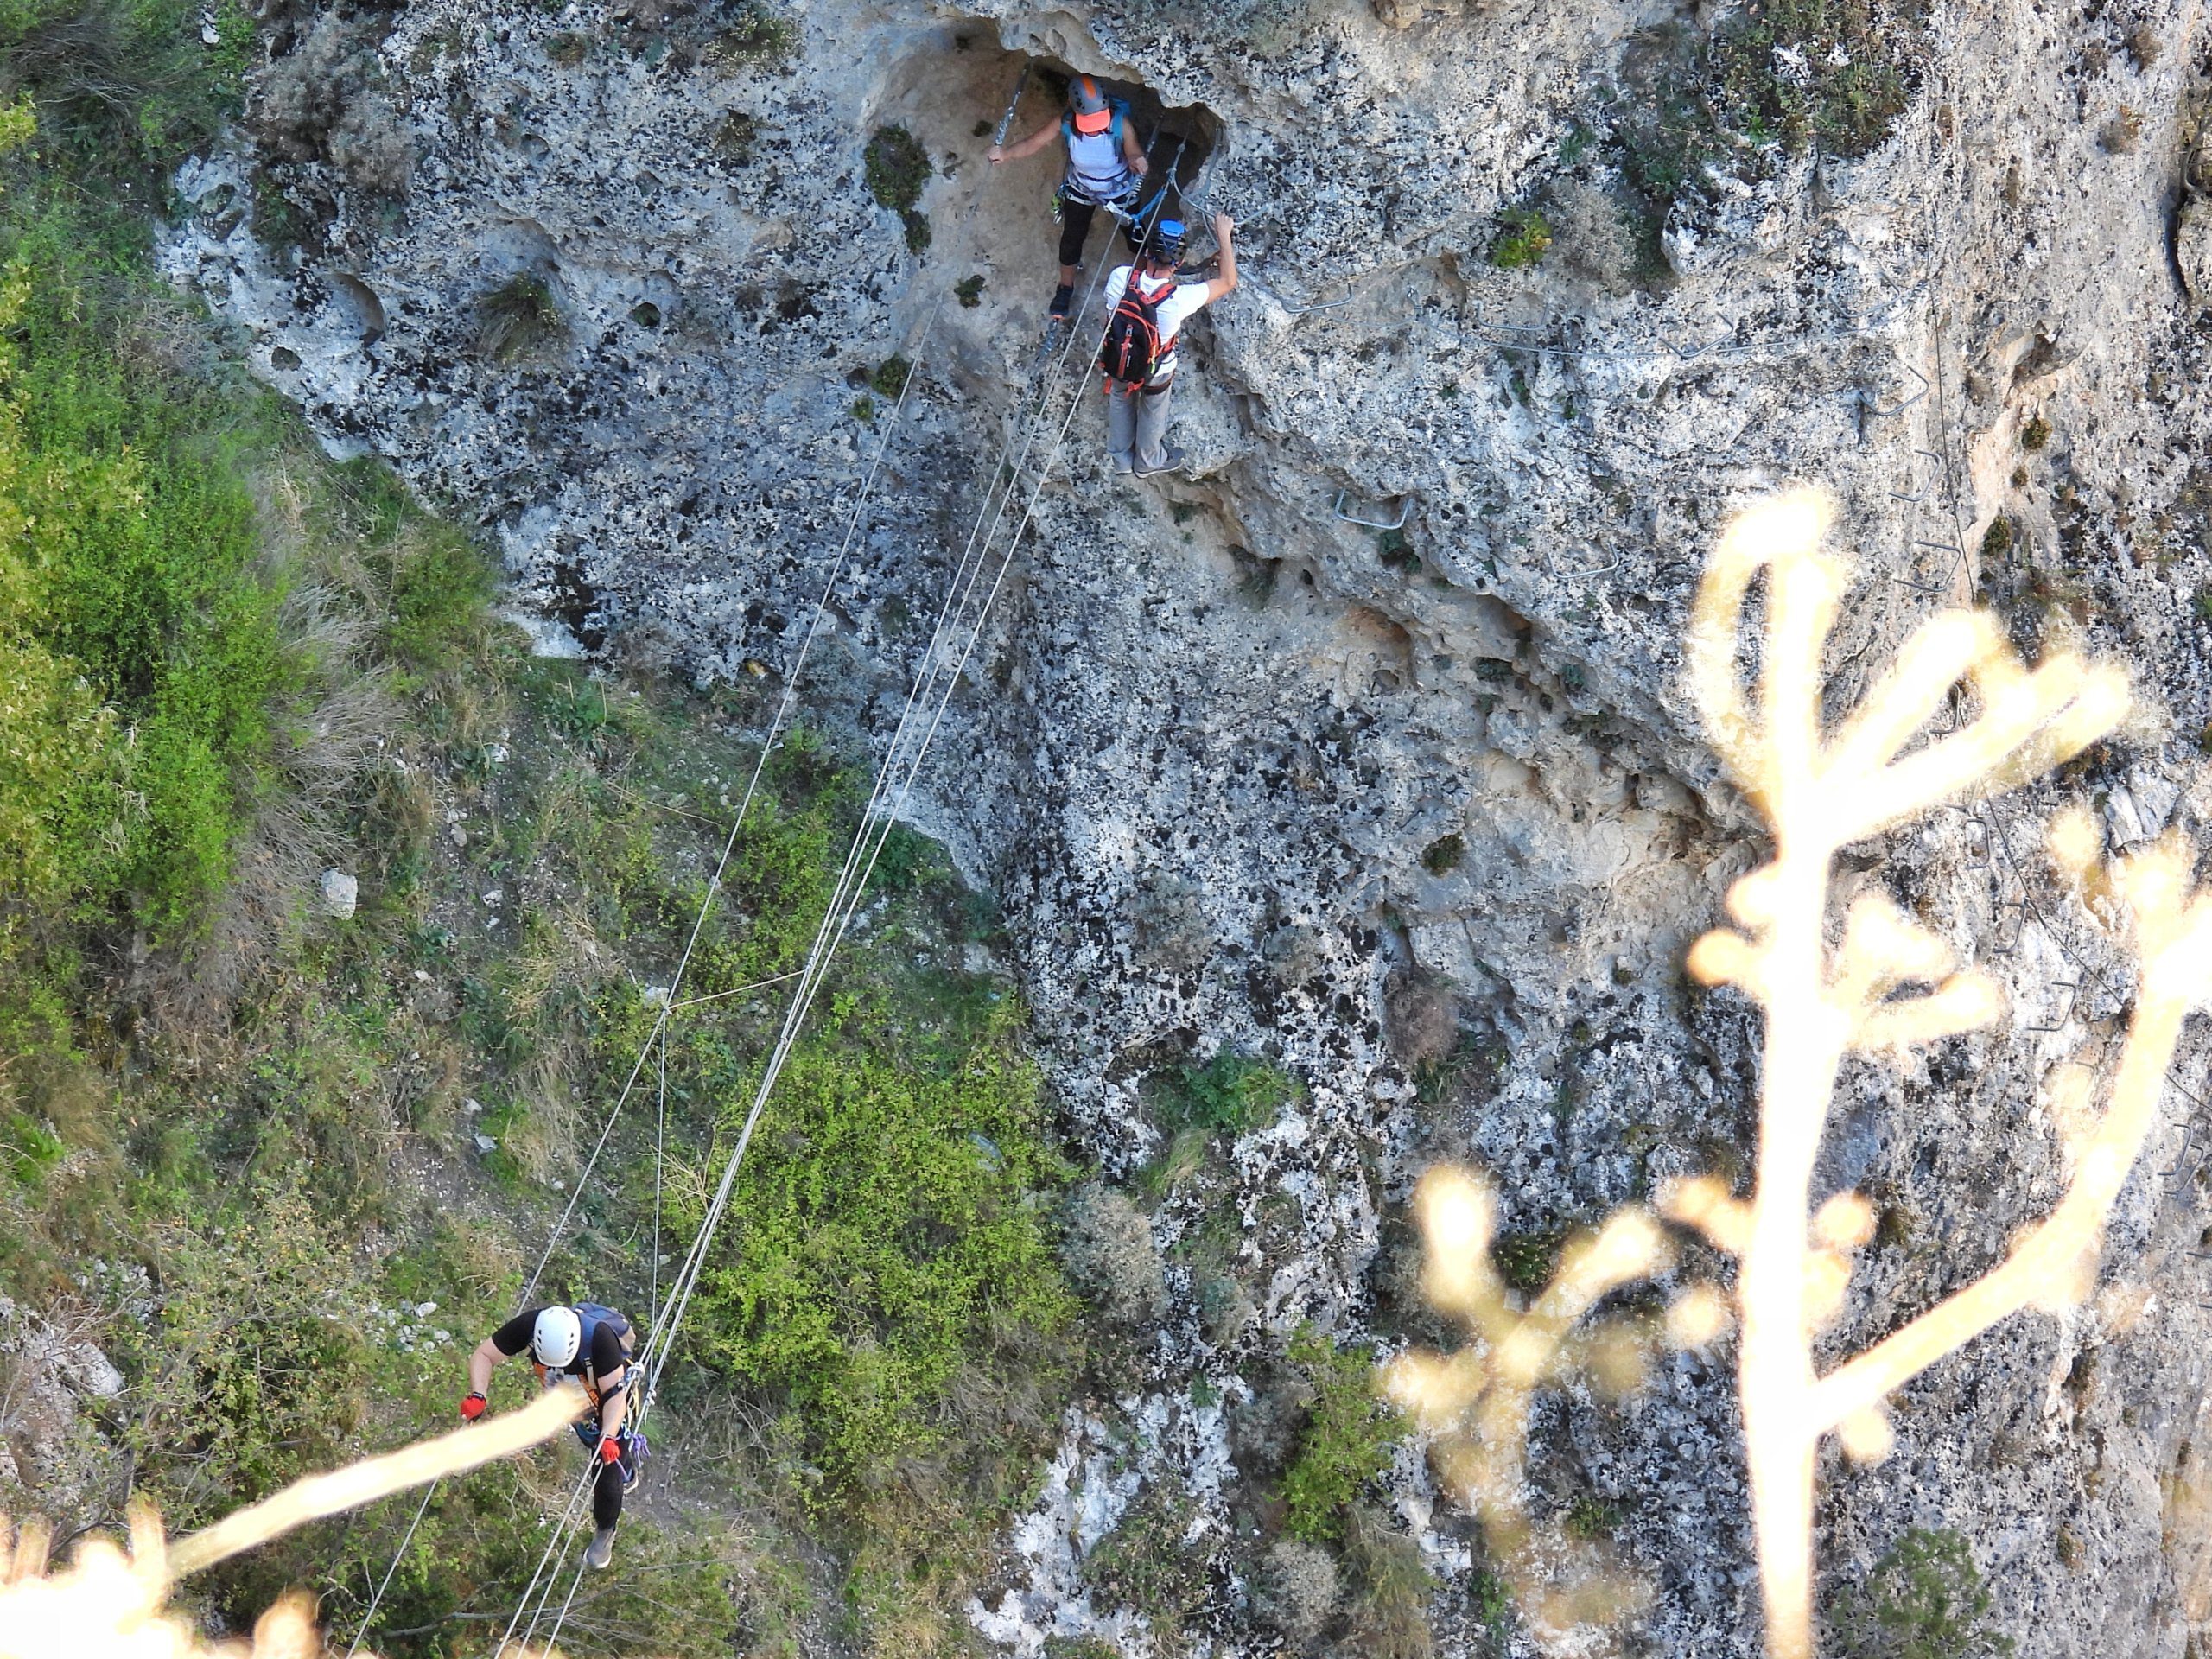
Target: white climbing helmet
[[556, 1338]]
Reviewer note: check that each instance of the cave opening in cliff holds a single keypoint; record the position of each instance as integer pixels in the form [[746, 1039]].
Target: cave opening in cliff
[[949, 92]]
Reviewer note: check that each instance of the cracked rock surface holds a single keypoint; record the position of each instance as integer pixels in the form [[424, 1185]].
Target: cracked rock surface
[[1378, 804]]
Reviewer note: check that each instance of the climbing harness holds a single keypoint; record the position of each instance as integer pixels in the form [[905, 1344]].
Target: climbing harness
[[1141, 224]]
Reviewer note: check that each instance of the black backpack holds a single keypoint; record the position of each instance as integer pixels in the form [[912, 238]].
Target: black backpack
[[1132, 347]]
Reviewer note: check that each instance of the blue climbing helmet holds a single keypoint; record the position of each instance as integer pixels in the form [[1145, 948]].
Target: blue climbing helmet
[[1164, 244]]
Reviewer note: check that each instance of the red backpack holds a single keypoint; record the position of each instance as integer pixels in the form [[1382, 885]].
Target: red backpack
[[1132, 348]]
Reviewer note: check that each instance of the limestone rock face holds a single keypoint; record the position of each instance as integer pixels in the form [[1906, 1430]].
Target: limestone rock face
[[1241, 762]]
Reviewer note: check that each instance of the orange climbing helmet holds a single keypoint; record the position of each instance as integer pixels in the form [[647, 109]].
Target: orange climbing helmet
[[1088, 105]]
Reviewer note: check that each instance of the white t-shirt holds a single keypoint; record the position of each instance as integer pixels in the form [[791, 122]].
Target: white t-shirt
[[1184, 301]]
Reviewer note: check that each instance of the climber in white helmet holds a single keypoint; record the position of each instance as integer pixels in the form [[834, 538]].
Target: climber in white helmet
[[592, 1343], [1106, 166]]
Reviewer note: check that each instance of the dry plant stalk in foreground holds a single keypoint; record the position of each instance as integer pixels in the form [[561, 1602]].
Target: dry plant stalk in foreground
[[107, 1605], [1820, 793], [1887, 985], [1477, 1400]]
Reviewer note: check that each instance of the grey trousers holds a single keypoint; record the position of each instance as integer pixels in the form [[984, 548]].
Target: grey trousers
[[1136, 423]]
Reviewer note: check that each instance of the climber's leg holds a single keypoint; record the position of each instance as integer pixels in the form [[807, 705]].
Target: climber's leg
[[1152, 454], [1122, 427]]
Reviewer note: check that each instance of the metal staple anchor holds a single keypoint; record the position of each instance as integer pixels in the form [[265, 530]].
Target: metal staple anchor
[[1579, 575], [2073, 989], [1879, 413], [1405, 506]]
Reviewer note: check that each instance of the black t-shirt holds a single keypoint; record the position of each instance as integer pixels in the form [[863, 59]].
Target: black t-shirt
[[606, 1357]]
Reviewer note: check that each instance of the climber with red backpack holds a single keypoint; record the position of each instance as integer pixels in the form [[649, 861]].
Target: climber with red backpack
[[1106, 168], [592, 1343], [1148, 303]]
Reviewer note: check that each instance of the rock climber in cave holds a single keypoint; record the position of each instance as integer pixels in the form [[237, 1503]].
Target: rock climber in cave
[[1147, 305], [592, 1344], [1106, 168]]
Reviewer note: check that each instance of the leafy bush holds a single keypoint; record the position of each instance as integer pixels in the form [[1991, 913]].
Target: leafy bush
[[1346, 1442], [138, 645], [734, 137], [1925, 1599], [1389, 1614], [757, 37], [124, 86], [896, 168], [890, 376], [1525, 1258], [1524, 236], [1777, 79], [970, 289], [1590, 1519], [1230, 1095], [884, 1238]]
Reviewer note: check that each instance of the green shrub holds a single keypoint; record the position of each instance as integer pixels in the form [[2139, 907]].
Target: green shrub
[[1997, 540], [759, 37], [896, 168], [1525, 1259], [734, 137], [1346, 1442], [125, 85], [890, 376], [884, 1238], [2036, 433], [1444, 854], [1925, 1599], [1389, 1614], [138, 644], [439, 586], [1524, 236], [1231, 1095], [518, 319], [1590, 1519], [1688, 105], [970, 289]]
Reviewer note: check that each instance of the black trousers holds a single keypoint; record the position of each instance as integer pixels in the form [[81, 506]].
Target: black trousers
[[608, 1484], [1076, 217]]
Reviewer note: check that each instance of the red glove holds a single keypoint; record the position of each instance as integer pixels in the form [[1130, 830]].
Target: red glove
[[472, 1408], [610, 1450]]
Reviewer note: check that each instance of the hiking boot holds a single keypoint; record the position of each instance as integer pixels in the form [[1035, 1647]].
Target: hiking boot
[[602, 1552], [1170, 461], [1062, 297]]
